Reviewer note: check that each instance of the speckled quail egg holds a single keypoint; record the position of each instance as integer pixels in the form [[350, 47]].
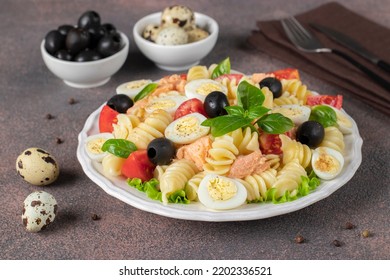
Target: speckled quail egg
[[327, 163], [39, 210], [196, 34], [37, 167], [178, 15], [171, 36], [151, 31], [221, 193], [186, 129], [131, 89], [202, 87]]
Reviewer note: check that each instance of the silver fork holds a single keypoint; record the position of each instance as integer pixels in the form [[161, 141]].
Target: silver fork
[[305, 41]]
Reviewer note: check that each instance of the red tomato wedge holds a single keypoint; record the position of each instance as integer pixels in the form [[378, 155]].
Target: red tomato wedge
[[237, 77], [332, 100], [287, 73], [270, 144], [138, 165], [193, 105], [107, 117]]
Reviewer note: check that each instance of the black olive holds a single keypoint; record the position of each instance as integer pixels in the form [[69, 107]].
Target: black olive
[[63, 55], [310, 133], [120, 103], [89, 19], [77, 40], [215, 104], [109, 44], [96, 33], [109, 28], [273, 84], [161, 151], [54, 41], [87, 55], [64, 29]]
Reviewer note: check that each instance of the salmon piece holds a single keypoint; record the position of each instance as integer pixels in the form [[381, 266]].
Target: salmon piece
[[245, 165], [257, 77], [196, 151], [174, 81]]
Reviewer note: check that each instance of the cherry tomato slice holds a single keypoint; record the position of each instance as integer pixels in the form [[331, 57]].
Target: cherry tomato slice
[[332, 100], [193, 105], [270, 144], [138, 165], [287, 73], [107, 117]]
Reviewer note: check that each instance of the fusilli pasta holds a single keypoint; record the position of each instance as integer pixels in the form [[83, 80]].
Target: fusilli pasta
[[295, 150], [333, 139]]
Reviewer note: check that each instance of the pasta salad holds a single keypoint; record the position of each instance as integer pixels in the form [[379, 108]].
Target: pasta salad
[[221, 138]]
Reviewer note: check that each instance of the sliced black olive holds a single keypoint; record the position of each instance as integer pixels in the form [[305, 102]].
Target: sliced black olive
[[54, 41], [273, 84], [63, 55], [120, 103], [161, 151], [87, 55], [310, 133], [77, 40], [89, 19], [215, 103], [109, 44]]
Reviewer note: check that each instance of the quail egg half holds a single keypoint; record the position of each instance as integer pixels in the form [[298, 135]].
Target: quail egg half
[[327, 163], [37, 166], [39, 210]]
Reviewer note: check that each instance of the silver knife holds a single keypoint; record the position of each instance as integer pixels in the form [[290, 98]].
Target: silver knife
[[353, 45]]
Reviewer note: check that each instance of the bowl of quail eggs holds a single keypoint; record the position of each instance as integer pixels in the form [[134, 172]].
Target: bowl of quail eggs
[[85, 55], [176, 38]]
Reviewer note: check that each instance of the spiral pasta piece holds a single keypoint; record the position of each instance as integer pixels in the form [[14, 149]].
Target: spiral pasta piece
[[258, 184], [289, 178], [192, 186], [112, 165], [159, 171], [269, 98], [286, 99], [295, 150], [231, 85], [296, 88], [273, 161], [197, 72], [176, 176], [333, 139], [125, 124], [153, 127], [245, 140], [221, 155]]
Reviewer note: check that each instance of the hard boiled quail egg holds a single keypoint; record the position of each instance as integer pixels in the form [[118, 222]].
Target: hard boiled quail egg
[[221, 193], [39, 210], [94, 143], [202, 87], [167, 103], [37, 167], [187, 129], [297, 113], [171, 36], [344, 122], [131, 89], [327, 163]]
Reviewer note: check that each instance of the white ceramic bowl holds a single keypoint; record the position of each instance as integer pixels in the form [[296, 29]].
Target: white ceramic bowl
[[86, 74], [178, 57]]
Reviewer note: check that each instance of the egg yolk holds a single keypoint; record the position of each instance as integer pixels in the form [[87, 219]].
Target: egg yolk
[[220, 189], [162, 104], [327, 163], [187, 126], [95, 146], [207, 88]]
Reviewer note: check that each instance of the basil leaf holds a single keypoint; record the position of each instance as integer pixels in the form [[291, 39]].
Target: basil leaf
[[225, 124], [235, 110], [222, 68], [145, 91], [119, 147], [249, 96], [275, 123], [257, 112], [325, 115]]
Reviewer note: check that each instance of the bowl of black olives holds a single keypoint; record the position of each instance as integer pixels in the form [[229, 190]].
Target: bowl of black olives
[[87, 54]]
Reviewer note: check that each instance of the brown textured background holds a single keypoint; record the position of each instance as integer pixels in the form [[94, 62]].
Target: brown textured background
[[28, 91]]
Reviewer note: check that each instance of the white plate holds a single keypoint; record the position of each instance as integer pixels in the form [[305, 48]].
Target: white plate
[[117, 186]]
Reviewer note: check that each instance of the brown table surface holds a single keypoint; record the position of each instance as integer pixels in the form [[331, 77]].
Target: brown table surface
[[28, 92]]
